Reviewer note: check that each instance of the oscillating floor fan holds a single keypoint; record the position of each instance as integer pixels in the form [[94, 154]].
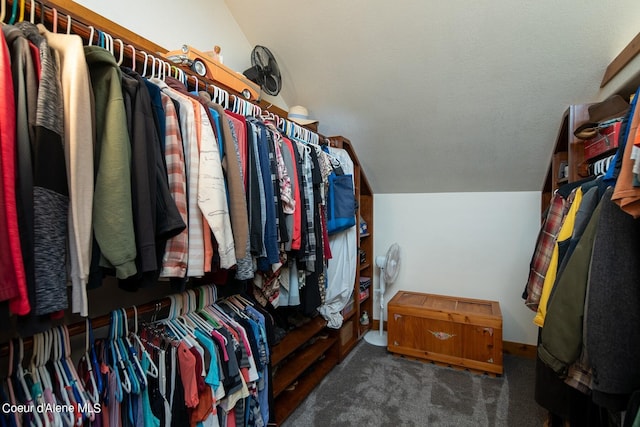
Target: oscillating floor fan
[[389, 266]]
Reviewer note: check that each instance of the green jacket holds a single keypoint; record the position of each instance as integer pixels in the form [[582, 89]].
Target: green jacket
[[112, 211]]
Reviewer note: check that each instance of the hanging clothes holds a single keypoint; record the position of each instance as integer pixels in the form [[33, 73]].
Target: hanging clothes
[[112, 211], [78, 144], [156, 216], [50, 189], [195, 258], [19, 252], [174, 261]]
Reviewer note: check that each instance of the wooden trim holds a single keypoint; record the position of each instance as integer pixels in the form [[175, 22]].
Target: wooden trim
[[623, 58], [519, 349]]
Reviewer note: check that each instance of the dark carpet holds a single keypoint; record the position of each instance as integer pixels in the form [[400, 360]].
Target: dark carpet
[[372, 387]]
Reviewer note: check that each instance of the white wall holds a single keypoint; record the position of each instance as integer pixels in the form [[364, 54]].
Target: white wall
[[475, 245], [170, 24]]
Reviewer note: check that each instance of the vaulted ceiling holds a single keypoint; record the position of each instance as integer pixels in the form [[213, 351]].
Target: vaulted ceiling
[[442, 96]]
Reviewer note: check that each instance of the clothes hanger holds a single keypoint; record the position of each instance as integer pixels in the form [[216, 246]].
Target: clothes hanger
[[226, 99], [206, 300], [235, 102], [3, 10], [133, 57], [192, 307], [133, 355], [94, 392], [166, 69], [144, 67], [160, 68], [20, 372], [55, 359], [121, 56], [114, 360], [233, 308], [79, 392], [153, 368], [154, 316], [130, 383], [21, 18], [153, 66], [243, 300], [174, 326], [236, 105], [44, 372], [45, 355], [216, 94], [14, 13], [181, 75], [9, 380], [108, 43], [158, 61], [54, 19], [37, 388], [91, 32], [196, 82], [100, 39], [32, 12]]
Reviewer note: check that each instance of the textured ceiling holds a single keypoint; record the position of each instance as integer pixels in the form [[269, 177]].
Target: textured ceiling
[[441, 96]]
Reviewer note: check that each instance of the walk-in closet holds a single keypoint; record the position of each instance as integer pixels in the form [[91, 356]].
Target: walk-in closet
[[239, 213]]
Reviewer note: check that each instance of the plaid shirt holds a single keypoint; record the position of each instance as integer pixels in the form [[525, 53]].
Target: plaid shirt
[[307, 188], [544, 248], [579, 376], [189, 132], [174, 261]]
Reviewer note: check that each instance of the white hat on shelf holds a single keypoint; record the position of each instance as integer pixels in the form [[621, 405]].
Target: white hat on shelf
[[300, 115]]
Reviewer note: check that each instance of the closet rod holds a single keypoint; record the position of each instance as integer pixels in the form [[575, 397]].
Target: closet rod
[[100, 322], [81, 21]]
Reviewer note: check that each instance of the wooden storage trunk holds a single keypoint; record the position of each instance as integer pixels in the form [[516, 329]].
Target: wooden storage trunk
[[455, 331]]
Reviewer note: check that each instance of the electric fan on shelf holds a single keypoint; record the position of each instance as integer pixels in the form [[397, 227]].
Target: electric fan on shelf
[[264, 71], [389, 266]]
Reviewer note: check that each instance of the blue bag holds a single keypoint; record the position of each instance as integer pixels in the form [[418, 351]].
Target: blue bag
[[341, 203]]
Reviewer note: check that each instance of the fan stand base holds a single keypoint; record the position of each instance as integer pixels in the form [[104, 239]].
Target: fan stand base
[[376, 338]]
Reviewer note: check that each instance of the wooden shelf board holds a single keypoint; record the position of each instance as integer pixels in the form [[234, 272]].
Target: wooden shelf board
[[289, 400], [623, 58], [295, 338], [299, 363]]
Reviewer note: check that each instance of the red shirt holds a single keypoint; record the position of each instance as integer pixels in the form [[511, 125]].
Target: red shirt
[[13, 284]]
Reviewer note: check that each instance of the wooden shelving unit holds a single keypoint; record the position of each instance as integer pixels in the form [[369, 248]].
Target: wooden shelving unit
[[568, 151], [305, 349]]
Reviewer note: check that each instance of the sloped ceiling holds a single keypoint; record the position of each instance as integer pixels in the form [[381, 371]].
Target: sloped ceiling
[[442, 96]]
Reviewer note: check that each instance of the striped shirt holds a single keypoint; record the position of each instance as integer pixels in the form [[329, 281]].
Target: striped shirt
[[174, 261], [188, 129]]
